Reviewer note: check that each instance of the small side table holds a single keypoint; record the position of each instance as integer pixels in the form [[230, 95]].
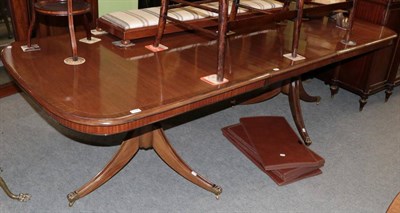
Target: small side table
[[67, 8]]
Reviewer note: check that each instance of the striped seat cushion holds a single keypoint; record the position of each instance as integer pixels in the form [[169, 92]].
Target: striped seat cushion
[[132, 19]]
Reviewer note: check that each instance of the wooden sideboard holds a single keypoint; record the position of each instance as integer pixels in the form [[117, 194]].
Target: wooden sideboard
[[386, 13], [376, 71]]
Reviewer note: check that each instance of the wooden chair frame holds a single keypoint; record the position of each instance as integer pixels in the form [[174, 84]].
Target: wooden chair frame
[[55, 8]]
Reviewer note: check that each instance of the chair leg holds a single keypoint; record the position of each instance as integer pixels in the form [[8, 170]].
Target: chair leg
[[296, 32], [222, 29], [161, 22], [72, 32], [31, 26], [234, 10], [168, 154], [86, 22]]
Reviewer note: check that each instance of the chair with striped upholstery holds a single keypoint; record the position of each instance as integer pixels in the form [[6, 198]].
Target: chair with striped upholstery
[[211, 8], [138, 23]]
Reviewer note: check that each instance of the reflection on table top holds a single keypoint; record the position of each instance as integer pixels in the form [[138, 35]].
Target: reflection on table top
[[121, 89]]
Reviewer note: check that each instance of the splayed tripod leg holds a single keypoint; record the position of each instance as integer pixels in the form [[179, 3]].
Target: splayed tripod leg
[[23, 197]]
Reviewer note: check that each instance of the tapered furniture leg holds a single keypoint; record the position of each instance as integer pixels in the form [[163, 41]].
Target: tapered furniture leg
[[72, 32], [363, 101], [333, 84], [388, 92], [21, 197], [31, 25], [295, 92], [222, 29], [161, 22], [334, 89], [170, 157], [86, 23], [294, 102], [151, 137], [234, 10], [303, 95], [125, 153]]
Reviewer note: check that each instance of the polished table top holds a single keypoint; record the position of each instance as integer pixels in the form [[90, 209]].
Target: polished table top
[[117, 90]]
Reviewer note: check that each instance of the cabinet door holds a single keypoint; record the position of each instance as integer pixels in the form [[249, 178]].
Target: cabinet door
[[374, 11], [393, 22], [386, 13], [366, 73]]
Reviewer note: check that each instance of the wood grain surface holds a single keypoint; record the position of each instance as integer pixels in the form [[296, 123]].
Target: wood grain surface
[[118, 90]]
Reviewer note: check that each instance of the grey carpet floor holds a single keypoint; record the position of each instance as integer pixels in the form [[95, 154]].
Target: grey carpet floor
[[361, 174]]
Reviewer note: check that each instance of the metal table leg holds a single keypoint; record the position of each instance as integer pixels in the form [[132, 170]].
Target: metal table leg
[[23, 197]]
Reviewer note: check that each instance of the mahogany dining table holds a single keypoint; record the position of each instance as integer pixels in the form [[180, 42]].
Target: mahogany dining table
[[131, 90]]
